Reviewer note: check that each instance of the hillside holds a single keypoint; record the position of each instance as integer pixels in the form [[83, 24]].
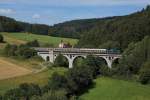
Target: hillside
[[113, 89], [11, 25], [111, 32], [19, 38]]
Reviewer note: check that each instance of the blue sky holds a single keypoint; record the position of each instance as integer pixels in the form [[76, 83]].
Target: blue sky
[[56, 11]]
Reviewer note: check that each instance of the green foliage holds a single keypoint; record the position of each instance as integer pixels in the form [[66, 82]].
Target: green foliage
[[134, 57], [94, 65], [25, 52], [33, 43], [57, 82], [105, 71], [25, 91], [110, 45], [10, 50], [1, 38], [145, 73], [79, 61], [52, 95], [19, 51], [78, 79], [11, 25]]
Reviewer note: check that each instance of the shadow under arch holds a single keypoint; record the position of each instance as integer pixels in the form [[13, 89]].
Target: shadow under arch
[[78, 61], [115, 62], [61, 61], [101, 61], [47, 58]]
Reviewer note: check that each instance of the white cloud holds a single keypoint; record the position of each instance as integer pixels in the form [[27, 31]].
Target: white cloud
[[6, 11], [36, 16]]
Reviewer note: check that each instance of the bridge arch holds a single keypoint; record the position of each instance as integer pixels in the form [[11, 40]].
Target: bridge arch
[[101, 60], [115, 62], [78, 60], [64, 58], [47, 58]]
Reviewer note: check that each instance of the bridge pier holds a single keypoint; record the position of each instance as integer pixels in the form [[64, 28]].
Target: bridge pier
[[109, 60]]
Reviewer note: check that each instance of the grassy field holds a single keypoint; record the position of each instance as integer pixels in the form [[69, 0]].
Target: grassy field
[[38, 78], [12, 69], [112, 89], [9, 70], [18, 38]]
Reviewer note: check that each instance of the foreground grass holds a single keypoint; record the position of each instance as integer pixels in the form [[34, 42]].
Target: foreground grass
[[38, 78], [113, 89], [19, 38]]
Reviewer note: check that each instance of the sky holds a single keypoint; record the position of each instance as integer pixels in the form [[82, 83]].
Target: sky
[[57, 11]]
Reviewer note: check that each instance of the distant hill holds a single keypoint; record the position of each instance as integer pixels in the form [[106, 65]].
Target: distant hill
[[110, 32], [11, 25]]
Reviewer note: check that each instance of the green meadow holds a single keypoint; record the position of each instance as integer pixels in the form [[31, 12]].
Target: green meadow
[[113, 89], [19, 38], [40, 78]]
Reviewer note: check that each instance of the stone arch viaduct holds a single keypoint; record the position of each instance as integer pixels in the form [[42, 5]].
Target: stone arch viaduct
[[50, 54]]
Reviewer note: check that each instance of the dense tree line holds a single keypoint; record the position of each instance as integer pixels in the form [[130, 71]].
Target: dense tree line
[[23, 50], [10, 25], [111, 32], [135, 60]]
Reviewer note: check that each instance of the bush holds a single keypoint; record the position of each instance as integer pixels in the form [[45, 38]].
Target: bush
[[145, 73], [10, 50], [57, 81], [78, 79], [105, 70], [25, 52], [134, 57], [34, 43], [22, 51], [52, 95], [24, 92]]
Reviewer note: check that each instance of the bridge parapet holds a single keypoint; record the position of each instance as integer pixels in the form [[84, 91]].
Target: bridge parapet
[[78, 50]]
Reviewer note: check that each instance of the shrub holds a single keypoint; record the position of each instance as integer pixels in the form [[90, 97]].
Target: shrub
[[25, 52], [57, 81], [24, 92], [10, 50], [22, 51], [78, 79], [52, 95], [34, 43]]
